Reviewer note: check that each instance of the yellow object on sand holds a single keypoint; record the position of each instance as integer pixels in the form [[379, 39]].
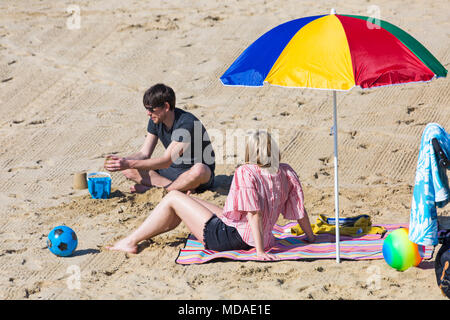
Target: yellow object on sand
[[361, 227]]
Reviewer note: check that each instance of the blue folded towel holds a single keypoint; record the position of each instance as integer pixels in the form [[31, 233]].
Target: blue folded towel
[[431, 188], [348, 221]]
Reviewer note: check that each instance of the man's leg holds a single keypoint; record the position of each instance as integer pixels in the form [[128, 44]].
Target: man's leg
[[191, 179], [145, 179]]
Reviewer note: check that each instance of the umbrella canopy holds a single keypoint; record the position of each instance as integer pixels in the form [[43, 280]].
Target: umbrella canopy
[[336, 52]]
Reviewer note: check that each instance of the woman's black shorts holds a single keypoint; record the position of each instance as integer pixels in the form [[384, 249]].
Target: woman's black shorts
[[220, 237]]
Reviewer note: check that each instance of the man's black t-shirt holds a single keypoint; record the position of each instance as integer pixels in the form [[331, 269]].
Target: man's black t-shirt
[[186, 128]]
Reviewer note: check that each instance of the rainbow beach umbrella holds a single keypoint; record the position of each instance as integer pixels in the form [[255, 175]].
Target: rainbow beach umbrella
[[335, 52]]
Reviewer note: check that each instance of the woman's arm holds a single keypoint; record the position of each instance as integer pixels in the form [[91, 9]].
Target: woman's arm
[[305, 225], [255, 221]]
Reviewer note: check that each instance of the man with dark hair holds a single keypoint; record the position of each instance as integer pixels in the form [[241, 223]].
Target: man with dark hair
[[188, 162]]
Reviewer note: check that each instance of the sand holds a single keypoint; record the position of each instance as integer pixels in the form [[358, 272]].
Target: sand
[[71, 96]]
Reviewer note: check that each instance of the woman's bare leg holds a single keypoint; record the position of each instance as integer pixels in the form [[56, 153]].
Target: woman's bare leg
[[167, 215], [211, 206]]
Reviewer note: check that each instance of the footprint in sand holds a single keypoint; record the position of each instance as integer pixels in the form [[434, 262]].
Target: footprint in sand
[[325, 161], [190, 106], [407, 122], [410, 109], [35, 122], [25, 168]]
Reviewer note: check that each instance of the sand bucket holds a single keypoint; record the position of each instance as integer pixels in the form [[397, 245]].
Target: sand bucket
[[99, 185]]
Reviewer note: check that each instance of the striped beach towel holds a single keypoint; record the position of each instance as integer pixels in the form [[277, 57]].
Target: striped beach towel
[[291, 247]]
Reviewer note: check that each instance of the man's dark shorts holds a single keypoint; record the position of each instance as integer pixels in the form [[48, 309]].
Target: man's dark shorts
[[172, 173]]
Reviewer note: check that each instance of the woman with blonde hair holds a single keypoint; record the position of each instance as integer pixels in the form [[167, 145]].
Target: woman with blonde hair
[[261, 189]]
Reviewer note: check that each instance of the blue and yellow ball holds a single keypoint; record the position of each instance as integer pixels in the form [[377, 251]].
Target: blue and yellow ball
[[399, 252]]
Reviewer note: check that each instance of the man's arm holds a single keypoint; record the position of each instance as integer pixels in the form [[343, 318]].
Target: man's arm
[[147, 148], [172, 153]]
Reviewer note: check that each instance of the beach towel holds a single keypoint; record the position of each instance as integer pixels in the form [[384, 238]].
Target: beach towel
[[431, 188], [292, 247], [352, 226]]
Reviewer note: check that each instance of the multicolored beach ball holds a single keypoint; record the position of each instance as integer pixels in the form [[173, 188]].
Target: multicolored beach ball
[[399, 252], [62, 241]]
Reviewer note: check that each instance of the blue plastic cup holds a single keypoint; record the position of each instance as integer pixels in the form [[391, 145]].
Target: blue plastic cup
[[99, 185]]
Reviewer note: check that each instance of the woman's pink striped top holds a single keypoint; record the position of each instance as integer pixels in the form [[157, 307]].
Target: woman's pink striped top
[[253, 189]]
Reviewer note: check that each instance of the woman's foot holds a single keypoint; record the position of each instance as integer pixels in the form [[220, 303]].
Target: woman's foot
[[124, 245], [139, 188]]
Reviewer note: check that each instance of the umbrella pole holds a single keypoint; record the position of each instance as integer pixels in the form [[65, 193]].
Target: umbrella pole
[[336, 181]]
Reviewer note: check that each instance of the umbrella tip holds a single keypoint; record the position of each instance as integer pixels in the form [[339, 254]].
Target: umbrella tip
[[333, 11]]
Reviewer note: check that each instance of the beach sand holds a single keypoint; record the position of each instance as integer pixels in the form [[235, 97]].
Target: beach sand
[[70, 96]]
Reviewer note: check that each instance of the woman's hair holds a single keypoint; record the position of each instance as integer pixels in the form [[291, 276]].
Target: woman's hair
[[262, 149]]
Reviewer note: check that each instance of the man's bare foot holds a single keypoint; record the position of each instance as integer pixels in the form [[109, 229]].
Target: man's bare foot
[[189, 192], [139, 188], [124, 245]]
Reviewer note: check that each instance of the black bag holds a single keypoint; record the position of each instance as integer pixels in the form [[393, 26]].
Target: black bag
[[442, 263]]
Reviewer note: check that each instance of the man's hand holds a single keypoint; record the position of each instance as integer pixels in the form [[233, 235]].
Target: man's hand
[[114, 163]]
